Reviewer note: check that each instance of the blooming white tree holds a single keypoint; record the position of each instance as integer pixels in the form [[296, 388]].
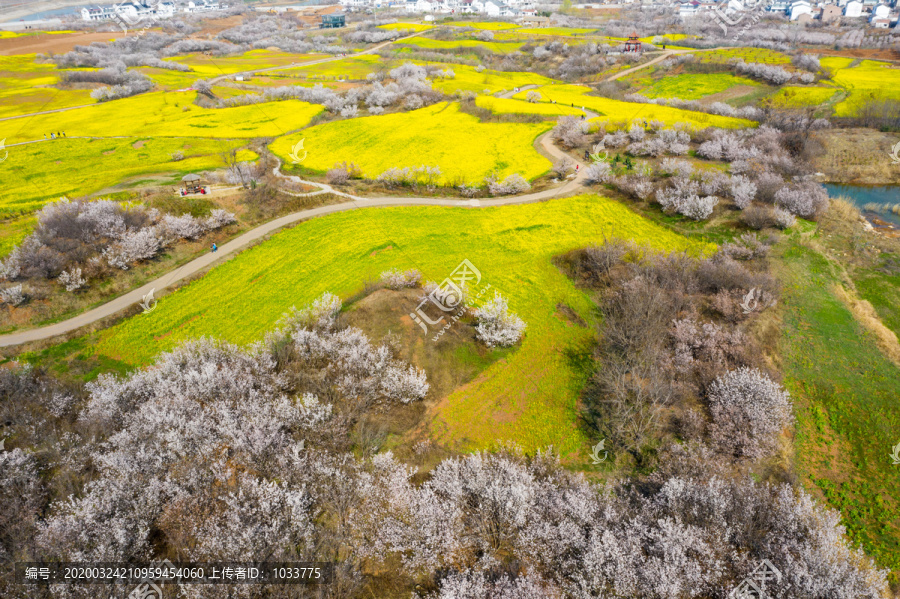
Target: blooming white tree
[[514, 183], [12, 295], [748, 410], [496, 325], [72, 279], [599, 172], [743, 190], [397, 279]]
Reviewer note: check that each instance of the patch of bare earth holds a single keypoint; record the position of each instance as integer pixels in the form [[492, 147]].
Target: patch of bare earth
[[858, 155], [729, 94], [57, 43]]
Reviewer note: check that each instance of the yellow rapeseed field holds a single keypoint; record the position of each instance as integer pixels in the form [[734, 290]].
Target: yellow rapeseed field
[[793, 97], [37, 173], [165, 114], [468, 79], [621, 113], [27, 86], [511, 106], [414, 26], [464, 148], [869, 80]]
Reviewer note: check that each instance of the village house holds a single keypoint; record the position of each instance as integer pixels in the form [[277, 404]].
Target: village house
[[830, 13]]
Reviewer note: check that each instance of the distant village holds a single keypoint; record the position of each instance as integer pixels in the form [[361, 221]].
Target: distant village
[[877, 13], [139, 9]]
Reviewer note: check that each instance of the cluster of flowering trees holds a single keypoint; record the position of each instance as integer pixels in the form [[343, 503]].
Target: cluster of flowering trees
[[218, 453], [409, 84], [92, 235], [764, 170]]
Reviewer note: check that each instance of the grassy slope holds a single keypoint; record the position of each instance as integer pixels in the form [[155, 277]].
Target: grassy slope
[[846, 395], [440, 135], [37, 173], [529, 397]]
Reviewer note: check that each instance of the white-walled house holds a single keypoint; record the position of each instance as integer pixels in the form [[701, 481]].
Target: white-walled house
[[882, 11], [132, 11], [853, 9], [800, 7]]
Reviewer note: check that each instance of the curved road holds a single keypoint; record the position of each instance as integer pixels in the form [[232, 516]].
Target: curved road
[[543, 145]]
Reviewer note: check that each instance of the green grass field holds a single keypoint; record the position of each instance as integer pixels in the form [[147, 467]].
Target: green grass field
[[848, 417], [165, 114], [529, 397], [693, 86], [464, 148], [34, 174], [618, 112]]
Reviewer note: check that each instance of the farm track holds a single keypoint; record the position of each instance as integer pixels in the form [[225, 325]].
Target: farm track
[[231, 248]]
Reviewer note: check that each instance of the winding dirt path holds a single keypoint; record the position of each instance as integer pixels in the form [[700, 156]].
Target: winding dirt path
[[229, 249]]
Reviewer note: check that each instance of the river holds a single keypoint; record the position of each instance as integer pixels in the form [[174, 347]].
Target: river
[[875, 202]]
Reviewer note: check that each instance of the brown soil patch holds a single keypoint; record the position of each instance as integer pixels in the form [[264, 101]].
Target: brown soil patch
[[138, 145], [729, 94], [108, 152], [862, 53], [376, 252], [866, 316], [219, 25], [857, 155], [58, 43]]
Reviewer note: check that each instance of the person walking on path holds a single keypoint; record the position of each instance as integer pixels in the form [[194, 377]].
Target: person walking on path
[[215, 248]]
